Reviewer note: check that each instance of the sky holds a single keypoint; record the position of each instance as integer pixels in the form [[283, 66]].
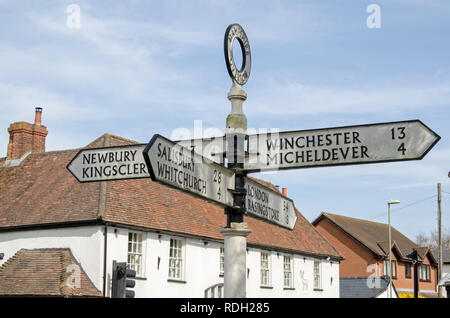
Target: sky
[[136, 68]]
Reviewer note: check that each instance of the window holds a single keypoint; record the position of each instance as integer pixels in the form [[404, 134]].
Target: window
[[287, 267], [317, 275], [222, 261], [393, 268], [176, 259], [408, 270], [424, 272], [135, 254], [265, 269]]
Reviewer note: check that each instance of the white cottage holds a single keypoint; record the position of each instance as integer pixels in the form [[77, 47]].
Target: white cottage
[[169, 237]]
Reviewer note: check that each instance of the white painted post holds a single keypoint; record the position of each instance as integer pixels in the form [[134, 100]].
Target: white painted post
[[235, 260], [236, 232]]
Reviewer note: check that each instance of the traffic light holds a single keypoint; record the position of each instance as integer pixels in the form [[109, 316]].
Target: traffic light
[[120, 281]]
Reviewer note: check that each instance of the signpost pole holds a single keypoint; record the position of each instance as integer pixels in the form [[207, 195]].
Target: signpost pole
[[236, 231]]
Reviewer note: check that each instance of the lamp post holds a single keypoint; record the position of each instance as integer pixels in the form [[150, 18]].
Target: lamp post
[[390, 246]]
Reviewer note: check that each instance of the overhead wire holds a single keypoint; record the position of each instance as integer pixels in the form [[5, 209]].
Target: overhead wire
[[406, 206]]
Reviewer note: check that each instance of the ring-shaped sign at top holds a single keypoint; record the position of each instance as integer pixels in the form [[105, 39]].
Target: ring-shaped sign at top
[[236, 32]]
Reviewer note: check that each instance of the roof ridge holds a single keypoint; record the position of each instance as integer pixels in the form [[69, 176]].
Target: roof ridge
[[369, 222], [106, 139], [354, 218], [45, 249]]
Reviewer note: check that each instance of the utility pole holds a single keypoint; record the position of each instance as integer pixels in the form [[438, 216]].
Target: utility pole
[[440, 240]]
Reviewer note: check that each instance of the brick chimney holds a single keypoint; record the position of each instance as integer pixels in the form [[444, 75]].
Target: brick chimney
[[284, 192], [25, 137]]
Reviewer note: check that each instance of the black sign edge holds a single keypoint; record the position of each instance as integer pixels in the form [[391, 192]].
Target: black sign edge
[[146, 157], [97, 148], [266, 220], [340, 127], [433, 144], [153, 176], [352, 163], [70, 162], [193, 153]]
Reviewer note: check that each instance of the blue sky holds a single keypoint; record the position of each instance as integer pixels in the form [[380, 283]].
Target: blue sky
[[136, 68]]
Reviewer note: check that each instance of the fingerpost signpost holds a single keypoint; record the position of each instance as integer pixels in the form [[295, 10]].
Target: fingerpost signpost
[[109, 163], [184, 169], [197, 166]]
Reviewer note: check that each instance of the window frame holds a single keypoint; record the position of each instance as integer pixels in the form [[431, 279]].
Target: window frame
[[180, 256], [291, 272], [136, 254], [393, 268], [317, 287], [427, 273], [221, 261], [267, 271], [408, 269]]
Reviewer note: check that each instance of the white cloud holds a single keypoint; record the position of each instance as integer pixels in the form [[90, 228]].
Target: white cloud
[[298, 99], [17, 100], [17, 104]]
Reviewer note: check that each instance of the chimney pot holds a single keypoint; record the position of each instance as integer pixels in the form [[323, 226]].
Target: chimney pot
[[284, 191], [38, 116]]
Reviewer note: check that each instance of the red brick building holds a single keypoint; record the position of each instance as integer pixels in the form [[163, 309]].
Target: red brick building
[[364, 246]]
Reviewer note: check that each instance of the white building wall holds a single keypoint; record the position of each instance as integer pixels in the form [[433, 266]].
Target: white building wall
[[303, 281], [201, 262], [202, 269], [86, 244]]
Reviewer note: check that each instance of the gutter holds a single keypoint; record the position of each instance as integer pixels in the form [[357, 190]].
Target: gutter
[[105, 249], [55, 225]]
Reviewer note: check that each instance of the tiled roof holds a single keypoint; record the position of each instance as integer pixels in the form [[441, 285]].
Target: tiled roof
[[445, 254], [45, 272], [41, 190], [374, 235], [362, 287]]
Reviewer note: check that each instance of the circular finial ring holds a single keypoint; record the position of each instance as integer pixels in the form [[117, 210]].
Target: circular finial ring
[[235, 31]]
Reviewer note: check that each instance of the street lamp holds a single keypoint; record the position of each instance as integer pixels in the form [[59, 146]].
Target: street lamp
[[390, 246]]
